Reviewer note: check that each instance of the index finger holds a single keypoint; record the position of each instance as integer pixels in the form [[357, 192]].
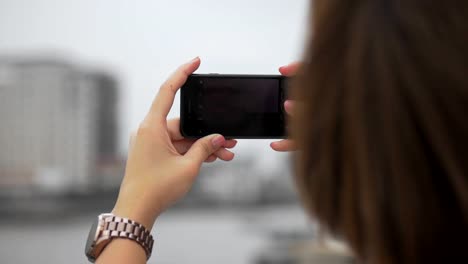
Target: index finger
[[163, 102]]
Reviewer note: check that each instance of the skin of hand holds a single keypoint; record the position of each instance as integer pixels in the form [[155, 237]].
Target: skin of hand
[[162, 165], [287, 144]]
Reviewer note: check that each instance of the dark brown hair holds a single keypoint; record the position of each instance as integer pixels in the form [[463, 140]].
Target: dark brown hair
[[382, 125]]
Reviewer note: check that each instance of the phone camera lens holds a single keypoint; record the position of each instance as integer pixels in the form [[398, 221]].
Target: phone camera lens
[[201, 82]]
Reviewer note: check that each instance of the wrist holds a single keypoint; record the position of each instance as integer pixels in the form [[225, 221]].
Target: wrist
[[132, 211], [136, 203]]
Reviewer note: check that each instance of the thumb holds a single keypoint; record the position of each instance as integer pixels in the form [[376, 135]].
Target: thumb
[[205, 147]]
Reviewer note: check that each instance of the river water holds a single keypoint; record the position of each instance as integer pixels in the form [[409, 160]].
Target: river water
[[181, 236]]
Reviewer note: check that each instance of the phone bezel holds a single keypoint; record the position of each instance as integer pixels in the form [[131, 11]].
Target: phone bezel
[[282, 98]]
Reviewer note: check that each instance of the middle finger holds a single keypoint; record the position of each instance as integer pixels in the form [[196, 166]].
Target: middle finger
[[182, 146]]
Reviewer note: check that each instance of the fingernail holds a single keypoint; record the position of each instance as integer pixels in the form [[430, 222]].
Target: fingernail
[[195, 59], [218, 141], [288, 104]]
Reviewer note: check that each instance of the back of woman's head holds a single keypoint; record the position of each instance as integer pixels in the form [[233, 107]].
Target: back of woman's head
[[382, 122]]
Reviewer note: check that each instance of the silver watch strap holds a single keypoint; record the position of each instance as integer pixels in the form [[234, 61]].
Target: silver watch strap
[[118, 227]]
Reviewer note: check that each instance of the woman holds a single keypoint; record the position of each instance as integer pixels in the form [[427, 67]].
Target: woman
[[381, 128]]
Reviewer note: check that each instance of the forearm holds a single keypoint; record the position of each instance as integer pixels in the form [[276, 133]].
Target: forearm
[[162, 166]]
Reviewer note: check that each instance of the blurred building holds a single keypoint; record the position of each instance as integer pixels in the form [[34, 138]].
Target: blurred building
[[58, 127]]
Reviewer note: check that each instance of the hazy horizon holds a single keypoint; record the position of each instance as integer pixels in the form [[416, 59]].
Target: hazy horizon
[[143, 42]]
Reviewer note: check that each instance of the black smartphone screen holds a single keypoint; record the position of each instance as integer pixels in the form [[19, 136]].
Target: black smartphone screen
[[236, 106]]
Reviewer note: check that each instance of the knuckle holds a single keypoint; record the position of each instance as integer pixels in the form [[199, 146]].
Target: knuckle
[[168, 86], [205, 147], [132, 136], [163, 87], [192, 167], [211, 159]]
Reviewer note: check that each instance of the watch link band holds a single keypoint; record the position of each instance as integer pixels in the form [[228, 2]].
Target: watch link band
[[110, 226]]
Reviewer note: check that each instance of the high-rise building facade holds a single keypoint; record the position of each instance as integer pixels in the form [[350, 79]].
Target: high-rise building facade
[[58, 123]]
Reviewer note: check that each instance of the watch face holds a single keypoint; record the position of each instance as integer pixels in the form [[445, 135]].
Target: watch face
[[91, 239]]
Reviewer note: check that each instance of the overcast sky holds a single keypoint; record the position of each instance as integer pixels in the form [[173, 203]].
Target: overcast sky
[[142, 42]]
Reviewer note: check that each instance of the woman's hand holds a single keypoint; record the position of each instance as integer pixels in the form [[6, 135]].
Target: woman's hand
[[162, 165], [287, 144]]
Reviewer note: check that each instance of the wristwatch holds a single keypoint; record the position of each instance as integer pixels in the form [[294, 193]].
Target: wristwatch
[[108, 226]]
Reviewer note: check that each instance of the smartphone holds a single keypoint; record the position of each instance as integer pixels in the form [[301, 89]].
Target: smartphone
[[235, 106]]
